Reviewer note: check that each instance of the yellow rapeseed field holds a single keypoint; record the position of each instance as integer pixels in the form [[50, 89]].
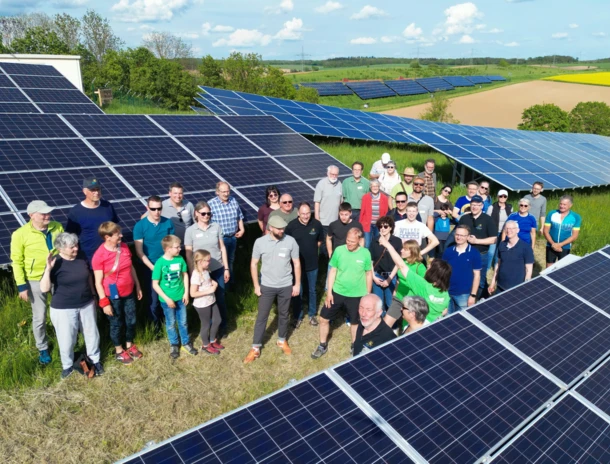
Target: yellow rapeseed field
[[602, 78]]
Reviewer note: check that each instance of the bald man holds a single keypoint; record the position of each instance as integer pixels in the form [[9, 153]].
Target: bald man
[[372, 331]]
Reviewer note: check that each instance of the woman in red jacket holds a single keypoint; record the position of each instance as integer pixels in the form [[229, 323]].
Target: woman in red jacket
[[374, 206]]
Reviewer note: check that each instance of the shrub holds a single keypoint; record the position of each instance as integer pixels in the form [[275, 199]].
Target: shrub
[[545, 117]]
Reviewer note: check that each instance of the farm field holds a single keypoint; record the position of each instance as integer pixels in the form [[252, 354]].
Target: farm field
[[592, 79], [504, 106]]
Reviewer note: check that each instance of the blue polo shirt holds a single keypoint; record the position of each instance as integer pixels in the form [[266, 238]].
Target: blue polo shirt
[[462, 265], [151, 235], [526, 224], [512, 263]]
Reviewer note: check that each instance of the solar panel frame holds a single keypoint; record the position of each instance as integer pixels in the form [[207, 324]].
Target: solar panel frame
[[56, 96], [70, 108]]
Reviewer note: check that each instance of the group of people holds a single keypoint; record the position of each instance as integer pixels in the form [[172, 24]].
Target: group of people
[[398, 256]]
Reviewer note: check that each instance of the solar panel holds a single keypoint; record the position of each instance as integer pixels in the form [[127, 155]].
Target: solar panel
[[207, 103], [371, 89], [116, 126], [140, 149], [567, 432], [255, 125], [434, 84], [311, 166], [288, 144], [190, 125], [70, 108], [33, 126], [478, 79], [234, 173], [29, 69], [18, 108], [596, 388], [5, 81], [221, 147], [8, 224], [328, 88], [56, 96], [406, 87], [12, 95], [458, 81], [496, 78], [43, 82]]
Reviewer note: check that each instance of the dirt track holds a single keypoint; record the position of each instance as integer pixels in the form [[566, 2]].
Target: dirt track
[[503, 107]]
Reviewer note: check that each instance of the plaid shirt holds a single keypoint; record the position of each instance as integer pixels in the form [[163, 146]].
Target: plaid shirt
[[226, 214]]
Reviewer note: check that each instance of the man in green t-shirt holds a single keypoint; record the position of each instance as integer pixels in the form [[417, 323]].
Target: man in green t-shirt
[[350, 277], [170, 280]]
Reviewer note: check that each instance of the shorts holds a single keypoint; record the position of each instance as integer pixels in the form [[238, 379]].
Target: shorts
[[395, 309], [553, 256], [350, 303]]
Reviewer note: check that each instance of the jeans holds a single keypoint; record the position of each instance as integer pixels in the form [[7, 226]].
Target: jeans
[[482, 292], [323, 249], [123, 318], [265, 301], [173, 315], [356, 215], [385, 293], [151, 296], [308, 278], [439, 250], [219, 276], [458, 302], [370, 236], [493, 252], [231, 246]]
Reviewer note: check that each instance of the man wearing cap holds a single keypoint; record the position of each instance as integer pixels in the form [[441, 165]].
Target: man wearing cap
[[405, 185], [483, 233], [286, 210], [277, 252], [379, 166], [354, 188], [85, 217], [429, 177], [30, 247]]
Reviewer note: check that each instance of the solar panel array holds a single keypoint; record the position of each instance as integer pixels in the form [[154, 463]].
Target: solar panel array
[[326, 89], [512, 158], [479, 79], [27, 88], [371, 89], [434, 84], [134, 156], [406, 87], [505, 381], [496, 78], [458, 81]]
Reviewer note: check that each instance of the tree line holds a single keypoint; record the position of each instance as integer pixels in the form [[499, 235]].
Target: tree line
[[584, 118]]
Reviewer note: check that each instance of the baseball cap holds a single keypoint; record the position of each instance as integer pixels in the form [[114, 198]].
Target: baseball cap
[[385, 158], [277, 222], [502, 192], [477, 199], [39, 206], [91, 182]]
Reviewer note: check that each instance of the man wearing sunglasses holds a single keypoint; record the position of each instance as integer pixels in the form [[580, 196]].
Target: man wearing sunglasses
[[147, 235], [425, 204], [286, 210]]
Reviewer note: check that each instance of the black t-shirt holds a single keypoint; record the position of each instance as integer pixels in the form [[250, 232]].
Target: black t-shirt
[[386, 263], [307, 237], [481, 227], [70, 281], [379, 336], [338, 231]]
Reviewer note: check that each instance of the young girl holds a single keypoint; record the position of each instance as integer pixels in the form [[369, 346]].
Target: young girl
[[202, 290]]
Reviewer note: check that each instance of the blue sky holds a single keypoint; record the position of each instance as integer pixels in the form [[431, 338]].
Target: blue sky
[[277, 29]]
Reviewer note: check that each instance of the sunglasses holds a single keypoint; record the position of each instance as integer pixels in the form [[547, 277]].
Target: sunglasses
[[523, 206], [384, 226], [418, 184], [502, 196], [155, 209], [401, 201], [447, 191], [484, 188], [205, 213], [408, 175], [288, 202]]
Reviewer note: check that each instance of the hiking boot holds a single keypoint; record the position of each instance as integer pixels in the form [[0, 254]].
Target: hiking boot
[[217, 346], [99, 369], [347, 322], [313, 321], [123, 357], [284, 346], [66, 373], [209, 350], [44, 358], [134, 352], [188, 348], [253, 354], [296, 324], [320, 351], [174, 351]]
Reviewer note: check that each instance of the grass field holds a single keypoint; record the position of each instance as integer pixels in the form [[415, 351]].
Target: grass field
[[45, 420], [602, 78]]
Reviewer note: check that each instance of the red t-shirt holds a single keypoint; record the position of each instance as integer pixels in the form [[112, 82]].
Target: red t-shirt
[[103, 260]]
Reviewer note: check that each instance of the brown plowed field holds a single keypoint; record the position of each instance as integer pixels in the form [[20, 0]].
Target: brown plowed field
[[503, 107]]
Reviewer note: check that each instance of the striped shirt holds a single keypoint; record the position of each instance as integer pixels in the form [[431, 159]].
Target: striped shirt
[[375, 208]]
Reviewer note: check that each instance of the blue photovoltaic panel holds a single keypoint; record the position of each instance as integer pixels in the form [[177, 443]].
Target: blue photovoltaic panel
[[8, 225], [118, 125], [30, 69], [31, 155], [18, 108], [4, 208], [478, 79], [311, 422], [589, 278], [569, 432], [371, 89], [406, 87], [234, 172], [56, 96], [43, 82], [70, 108], [257, 125], [221, 147], [558, 331], [129, 213], [326, 89], [496, 78], [596, 388], [211, 106], [458, 81], [140, 150], [298, 190], [312, 166], [12, 95], [5, 81], [33, 126], [449, 389], [288, 144], [193, 125], [434, 84]]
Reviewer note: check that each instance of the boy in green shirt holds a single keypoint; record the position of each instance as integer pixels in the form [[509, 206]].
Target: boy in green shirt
[[170, 280]]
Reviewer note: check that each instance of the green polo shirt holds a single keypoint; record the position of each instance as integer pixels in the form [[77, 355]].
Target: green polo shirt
[[354, 191]]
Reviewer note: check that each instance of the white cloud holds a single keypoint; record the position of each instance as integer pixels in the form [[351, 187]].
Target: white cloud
[[412, 31], [480, 27], [363, 41], [135, 11], [292, 30], [560, 35], [573, 26], [219, 28], [284, 7], [205, 28], [466, 39], [243, 38], [460, 18], [369, 12], [600, 34], [328, 7], [511, 44], [390, 38], [70, 3], [495, 30]]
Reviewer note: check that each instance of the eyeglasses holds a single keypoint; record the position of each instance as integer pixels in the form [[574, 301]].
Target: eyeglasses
[[224, 191], [502, 196], [273, 194], [384, 226], [408, 175], [523, 206], [155, 209], [418, 184], [287, 202], [401, 201], [484, 188], [447, 191], [205, 213]]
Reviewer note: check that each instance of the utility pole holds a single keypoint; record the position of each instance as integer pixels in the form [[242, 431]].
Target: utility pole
[[303, 55]]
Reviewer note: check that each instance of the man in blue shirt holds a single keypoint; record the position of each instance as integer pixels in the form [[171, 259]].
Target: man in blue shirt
[[85, 217], [147, 235], [465, 261], [515, 260], [462, 205], [561, 229]]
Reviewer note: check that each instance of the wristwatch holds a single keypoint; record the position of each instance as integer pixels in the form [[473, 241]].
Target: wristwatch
[[474, 295]]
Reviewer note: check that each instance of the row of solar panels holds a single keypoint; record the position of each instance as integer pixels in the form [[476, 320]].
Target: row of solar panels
[[378, 89], [523, 377], [512, 158]]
